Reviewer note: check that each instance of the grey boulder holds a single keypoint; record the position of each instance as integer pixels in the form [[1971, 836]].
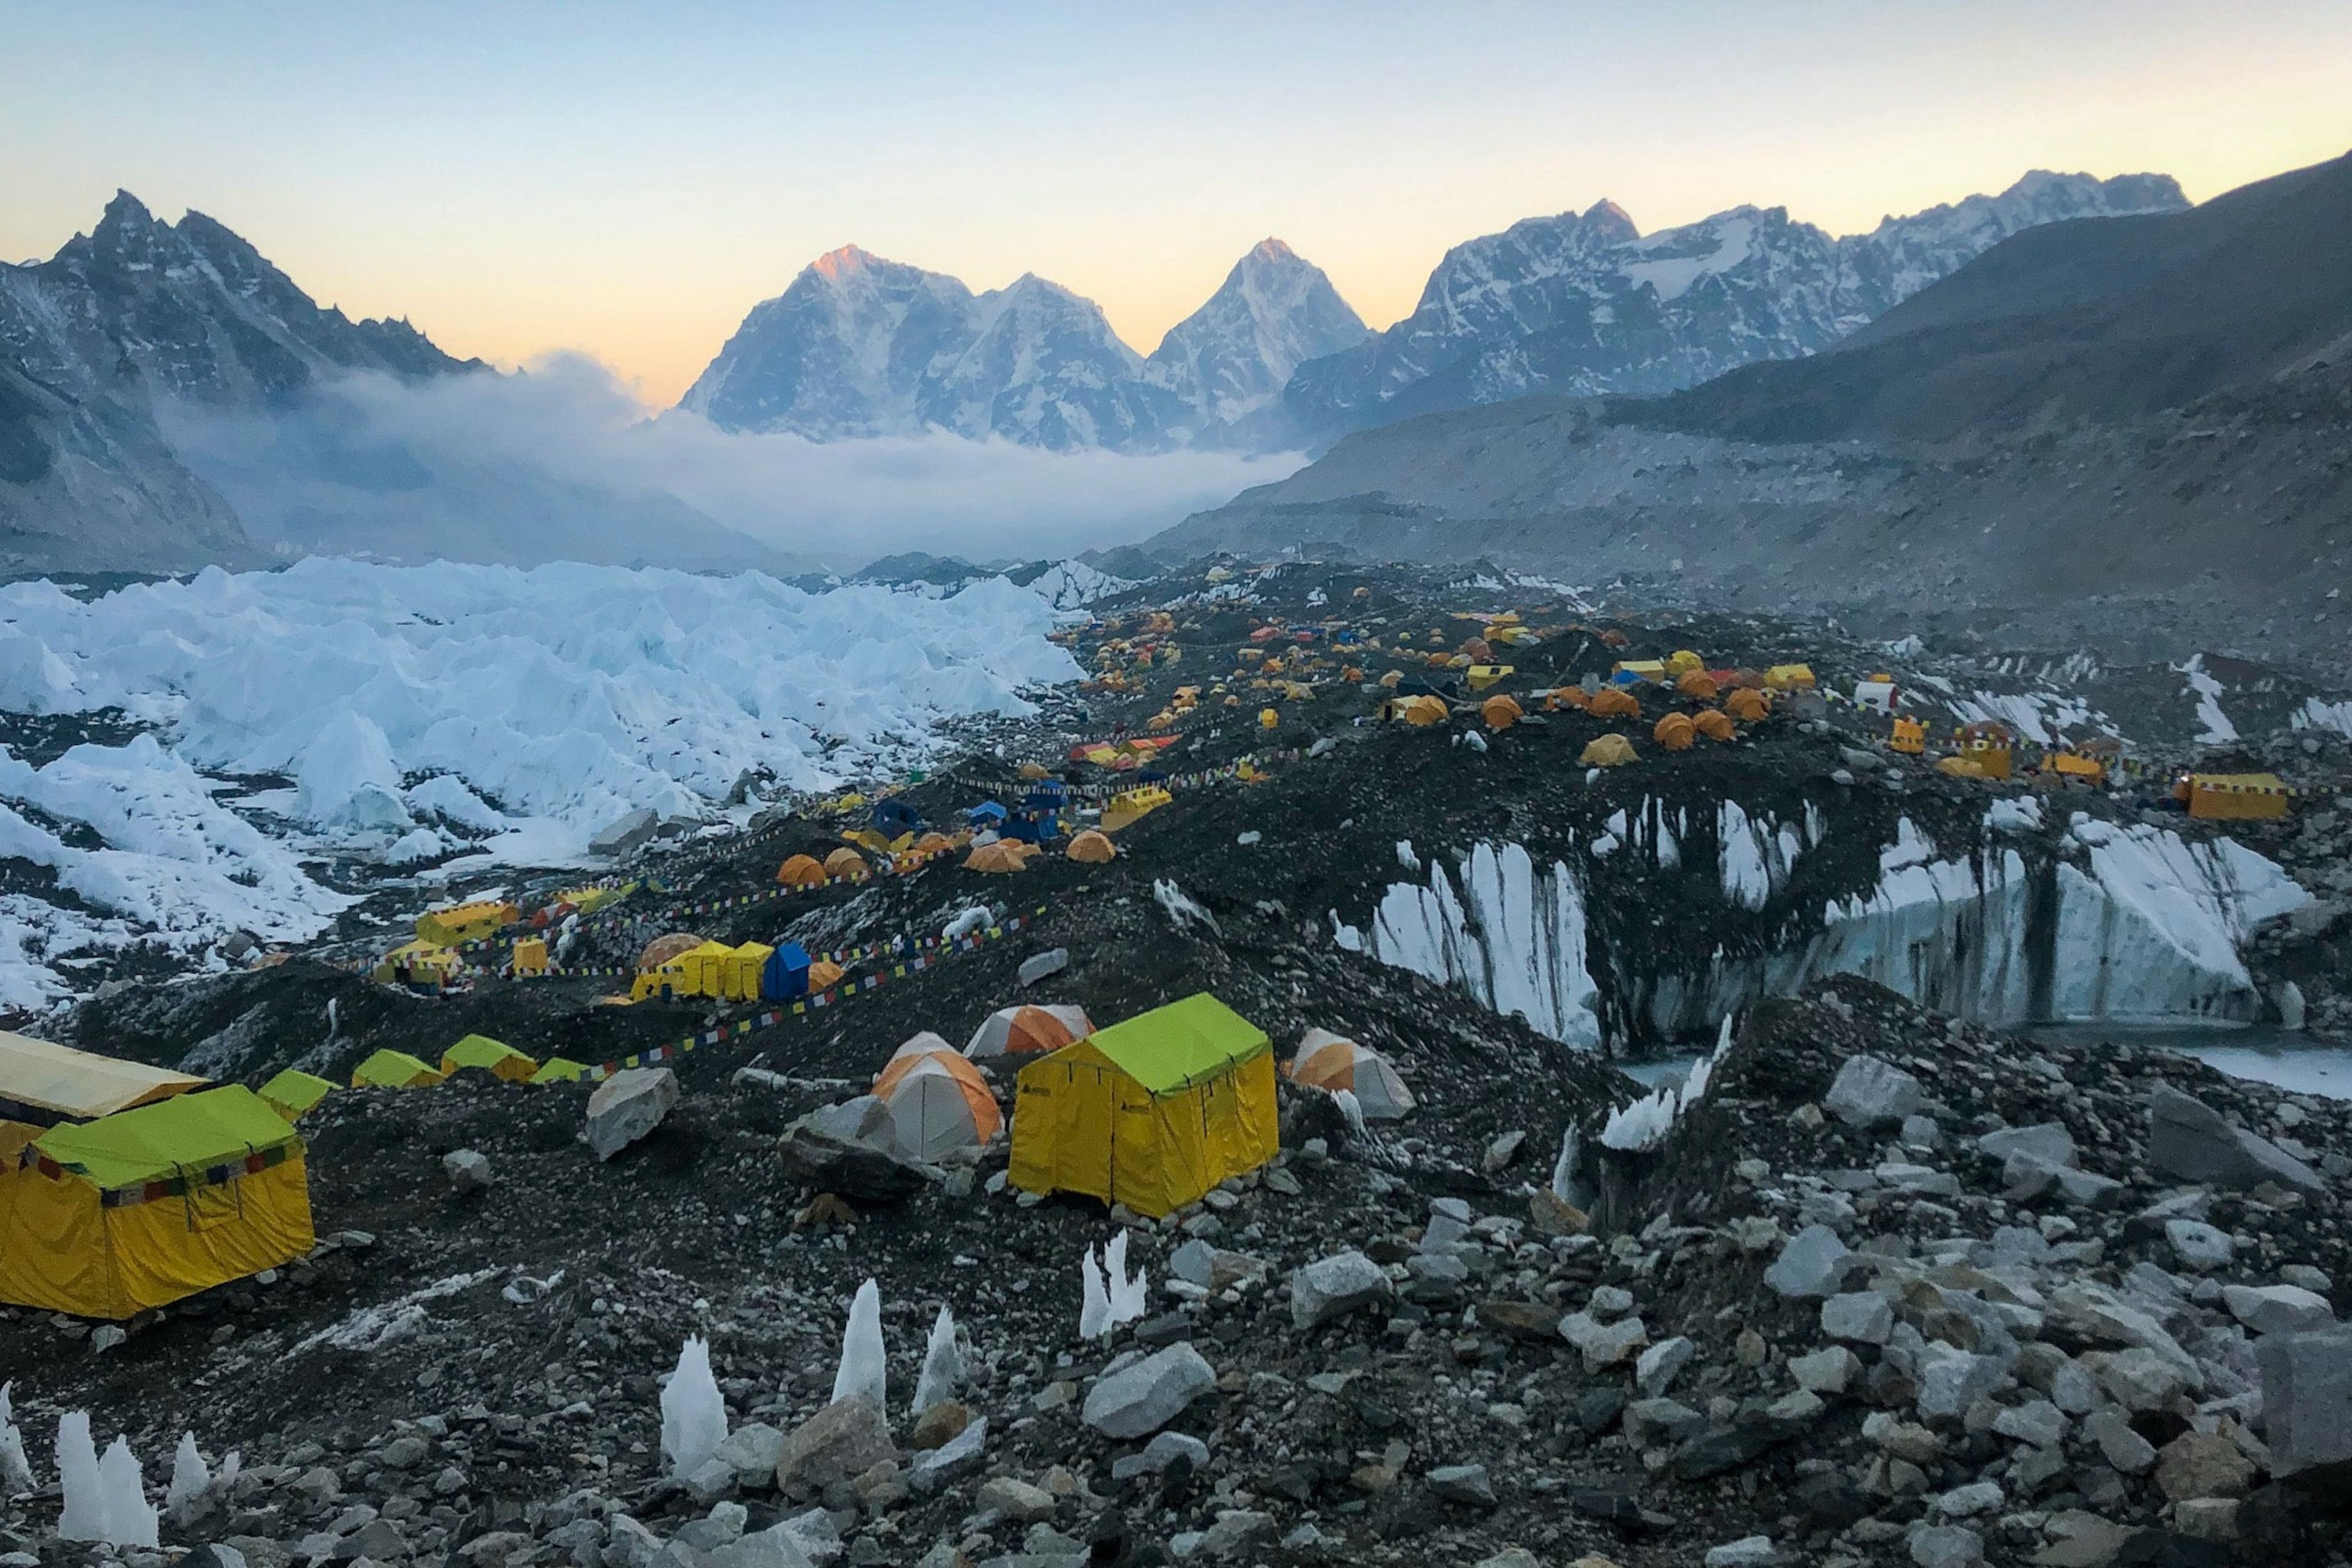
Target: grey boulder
[[1331, 1287], [2188, 1139], [1869, 1092], [1141, 1398], [627, 1106]]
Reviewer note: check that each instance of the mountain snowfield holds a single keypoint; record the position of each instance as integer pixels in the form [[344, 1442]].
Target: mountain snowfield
[[1577, 303], [1584, 303], [859, 346], [422, 710]]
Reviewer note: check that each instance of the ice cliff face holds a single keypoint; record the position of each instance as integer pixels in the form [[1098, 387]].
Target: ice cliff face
[[859, 346], [2132, 923], [1511, 934], [1583, 303]]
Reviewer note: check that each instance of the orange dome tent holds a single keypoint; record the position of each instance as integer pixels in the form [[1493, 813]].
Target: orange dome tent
[[1674, 732], [1714, 723], [801, 871], [1501, 712], [1748, 705], [1614, 703], [823, 976], [1001, 856], [844, 862], [1332, 1062], [1696, 684], [1568, 696], [1092, 847], [934, 844], [1028, 1030]]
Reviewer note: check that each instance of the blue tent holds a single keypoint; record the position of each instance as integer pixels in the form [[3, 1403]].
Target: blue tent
[[987, 814], [786, 973], [894, 816]]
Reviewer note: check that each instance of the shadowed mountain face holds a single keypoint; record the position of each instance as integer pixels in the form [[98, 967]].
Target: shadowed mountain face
[[170, 400], [2093, 320], [2134, 432]]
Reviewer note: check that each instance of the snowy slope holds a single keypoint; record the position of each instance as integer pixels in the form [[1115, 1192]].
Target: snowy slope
[[566, 694], [1274, 312], [1583, 303], [859, 346]]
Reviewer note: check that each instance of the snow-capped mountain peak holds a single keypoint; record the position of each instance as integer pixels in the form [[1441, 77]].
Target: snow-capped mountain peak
[[1583, 303], [863, 346], [1274, 311]]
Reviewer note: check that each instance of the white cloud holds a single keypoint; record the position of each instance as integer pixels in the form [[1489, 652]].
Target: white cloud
[[562, 462]]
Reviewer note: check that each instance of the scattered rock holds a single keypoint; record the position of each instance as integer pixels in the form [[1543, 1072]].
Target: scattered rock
[[1141, 1398], [627, 1106], [1331, 1287], [1870, 1092]]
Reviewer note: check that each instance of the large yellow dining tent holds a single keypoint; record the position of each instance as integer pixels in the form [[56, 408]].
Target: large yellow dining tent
[[1151, 1113], [136, 1210]]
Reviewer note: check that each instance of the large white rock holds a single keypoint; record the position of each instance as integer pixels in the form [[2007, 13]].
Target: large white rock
[[1138, 1400], [1331, 1287], [2306, 1398], [1871, 1092], [2278, 1308], [627, 1106], [2188, 1139], [1811, 1265]]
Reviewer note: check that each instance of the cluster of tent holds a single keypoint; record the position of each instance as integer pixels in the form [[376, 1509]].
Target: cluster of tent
[[683, 964], [295, 1093], [1151, 1113], [125, 1187]]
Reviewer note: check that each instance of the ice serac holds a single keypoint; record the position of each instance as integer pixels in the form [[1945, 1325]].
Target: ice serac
[[1583, 303], [1513, 936], [1274, 311], [2124, 922]]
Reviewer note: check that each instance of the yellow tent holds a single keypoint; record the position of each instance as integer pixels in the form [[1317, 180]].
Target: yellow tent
[[1790, 678], [422, 959], [464, 922], [1150, 1113], [1611, 751], [2256, 797], [294, 1094], [559, 1069], [68, 1082], [393, 1070], [692, 972], [136, 1210], [496, 1057]]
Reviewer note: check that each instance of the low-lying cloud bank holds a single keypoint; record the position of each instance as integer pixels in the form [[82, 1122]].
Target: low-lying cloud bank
[[562, 463]]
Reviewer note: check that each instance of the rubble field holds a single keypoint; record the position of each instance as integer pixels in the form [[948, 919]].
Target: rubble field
[[1882, 1285]]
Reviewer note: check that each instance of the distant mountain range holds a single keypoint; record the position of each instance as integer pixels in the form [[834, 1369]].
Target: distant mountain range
[[2133, 434], [170, 400], [859, 346], [1579, 303]]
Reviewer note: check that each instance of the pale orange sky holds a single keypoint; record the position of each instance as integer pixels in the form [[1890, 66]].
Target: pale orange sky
[[629, 182]]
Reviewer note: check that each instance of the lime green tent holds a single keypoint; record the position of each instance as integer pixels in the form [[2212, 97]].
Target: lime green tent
[[135, 1210], [493, 1057], [294, 1093], [559, 1069], [393, 1070], [1151, 1113]]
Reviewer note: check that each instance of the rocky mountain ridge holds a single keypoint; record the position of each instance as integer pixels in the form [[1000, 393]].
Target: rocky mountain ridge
[[169, 399], [1582, 304]]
